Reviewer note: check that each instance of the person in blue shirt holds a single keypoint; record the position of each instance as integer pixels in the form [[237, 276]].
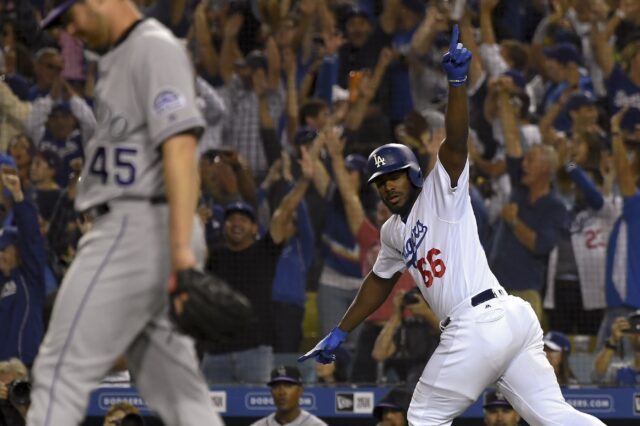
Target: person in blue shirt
[[22, 266], [563, 65], [531, 223], [622, 80], [289, 283], [622, 276]]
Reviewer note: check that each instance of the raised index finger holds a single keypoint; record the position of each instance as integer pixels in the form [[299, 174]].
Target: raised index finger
[[454, 39]]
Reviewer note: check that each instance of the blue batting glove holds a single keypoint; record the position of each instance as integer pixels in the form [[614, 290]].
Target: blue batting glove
[[456, 61], [324, 352]]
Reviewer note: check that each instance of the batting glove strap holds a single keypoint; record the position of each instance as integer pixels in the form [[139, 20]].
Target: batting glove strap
[[456, 83]]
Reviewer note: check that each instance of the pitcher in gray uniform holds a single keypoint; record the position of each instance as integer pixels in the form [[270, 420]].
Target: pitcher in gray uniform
[[139, 186]]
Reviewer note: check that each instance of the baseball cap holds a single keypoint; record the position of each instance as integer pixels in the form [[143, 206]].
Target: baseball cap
[[356, 162], [398, 399], [557, 341], [53, 17], [240, 207], [495, 398], [8, 236], [579, 100], [285, 373], [631, 120], [354, 12], [563, 53]]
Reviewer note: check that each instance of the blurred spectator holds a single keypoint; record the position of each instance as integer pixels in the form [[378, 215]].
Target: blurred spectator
[[563, 67], [286, 389], [341, 274], [64, 230], [498, 411], [392, 409], [249, 264], [15, 391], [618, 362], [365, 40], [335, 373], [22, 149], [215, 113], [122, 414], [48, 64], [532, 221], [406, 343], [44, 170], [427, 79], [247, 89], [575, 285], [13, 115], [622, 280], [622, 80], [627, 22], [22, 265], [558, 349], [62, 122], [289, 283], [73, 59]]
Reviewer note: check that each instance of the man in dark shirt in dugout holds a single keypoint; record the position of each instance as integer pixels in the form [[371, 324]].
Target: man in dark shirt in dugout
[[248, 263]]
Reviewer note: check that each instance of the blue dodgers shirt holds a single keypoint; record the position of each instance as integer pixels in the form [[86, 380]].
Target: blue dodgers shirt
[[623, 257]]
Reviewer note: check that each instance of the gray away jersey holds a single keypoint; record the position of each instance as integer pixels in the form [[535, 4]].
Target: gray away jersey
[[145, 94]]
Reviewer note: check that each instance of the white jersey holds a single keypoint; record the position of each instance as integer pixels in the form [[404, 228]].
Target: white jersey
[[439, 244]]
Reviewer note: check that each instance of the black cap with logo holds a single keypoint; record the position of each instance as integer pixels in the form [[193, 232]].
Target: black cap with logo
[[285, 373]]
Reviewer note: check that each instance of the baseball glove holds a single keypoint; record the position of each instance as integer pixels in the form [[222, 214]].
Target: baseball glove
[[211, 311]]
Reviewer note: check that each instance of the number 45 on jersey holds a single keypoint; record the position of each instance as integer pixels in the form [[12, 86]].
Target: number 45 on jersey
[[120, 165]]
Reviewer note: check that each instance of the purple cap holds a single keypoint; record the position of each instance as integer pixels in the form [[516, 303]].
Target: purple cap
[[56, 13]]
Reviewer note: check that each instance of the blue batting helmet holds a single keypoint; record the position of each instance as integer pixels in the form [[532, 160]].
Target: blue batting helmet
[[392, 157]]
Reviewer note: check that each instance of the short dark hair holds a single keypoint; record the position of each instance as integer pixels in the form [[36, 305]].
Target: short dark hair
[[517, 53], [311, 108]]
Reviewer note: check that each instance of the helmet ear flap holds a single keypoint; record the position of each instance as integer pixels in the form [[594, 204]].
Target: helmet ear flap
[[415, 176]]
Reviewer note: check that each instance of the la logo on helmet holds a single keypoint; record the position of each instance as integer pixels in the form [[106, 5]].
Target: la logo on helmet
[[378, 160]]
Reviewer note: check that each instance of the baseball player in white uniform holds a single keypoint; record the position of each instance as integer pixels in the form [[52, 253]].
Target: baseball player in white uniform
[[139, 185], [487, 336]]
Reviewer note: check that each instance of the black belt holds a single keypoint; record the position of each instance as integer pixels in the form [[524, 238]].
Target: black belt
[[96, 211], [479, 298]]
